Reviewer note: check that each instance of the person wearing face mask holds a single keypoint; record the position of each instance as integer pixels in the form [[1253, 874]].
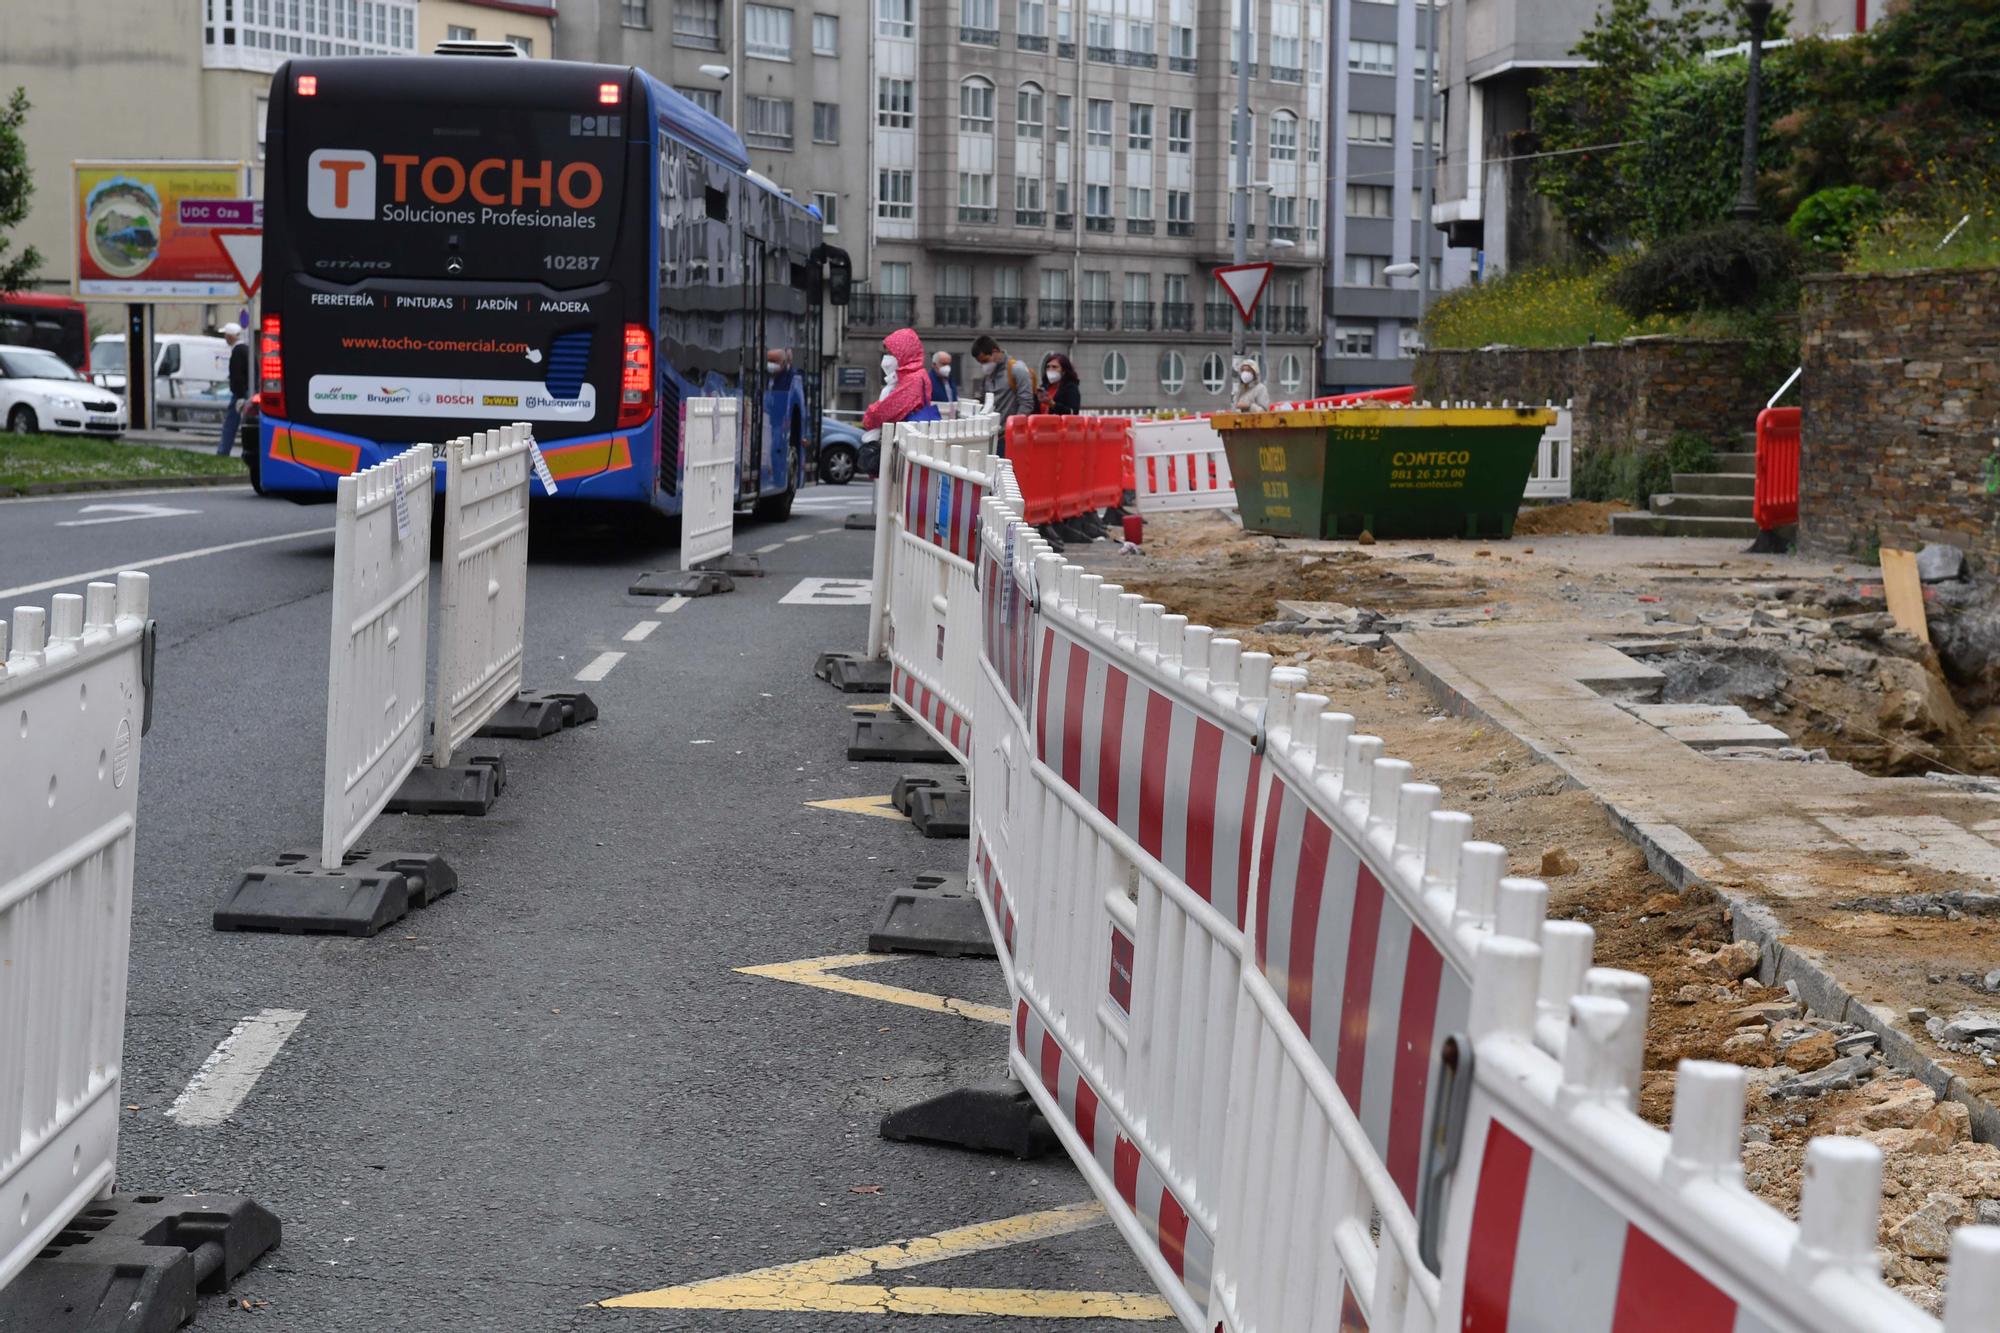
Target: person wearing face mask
[[1251, 395], [906, 391], [943, 391], [1061, 391], [784, 416]]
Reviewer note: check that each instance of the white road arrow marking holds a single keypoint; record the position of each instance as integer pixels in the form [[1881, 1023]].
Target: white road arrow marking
[[124, 514]]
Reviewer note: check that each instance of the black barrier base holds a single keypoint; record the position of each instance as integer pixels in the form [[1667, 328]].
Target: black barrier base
[[682, 583], [859, 522], [939, 807], [463, 789], [369, 892], [733, 565], [896, 739], [999, 1117], [524, 717], [851, 673], [937, 915], [134, 1263]]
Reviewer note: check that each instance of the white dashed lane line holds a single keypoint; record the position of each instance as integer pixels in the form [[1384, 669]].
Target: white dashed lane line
[[766, 550], [233, 1068], [671, 605], [600, 666], [638, 633]]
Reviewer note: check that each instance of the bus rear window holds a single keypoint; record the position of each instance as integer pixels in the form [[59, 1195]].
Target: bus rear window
[[427, 189]]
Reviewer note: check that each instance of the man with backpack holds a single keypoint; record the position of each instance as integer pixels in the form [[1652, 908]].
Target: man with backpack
[[1010, 382]]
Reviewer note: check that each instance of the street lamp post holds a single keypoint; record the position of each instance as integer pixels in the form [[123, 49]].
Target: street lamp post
[[1746, 194]]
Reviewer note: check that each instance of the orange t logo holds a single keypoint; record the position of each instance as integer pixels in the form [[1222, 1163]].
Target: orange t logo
[[341, 168]]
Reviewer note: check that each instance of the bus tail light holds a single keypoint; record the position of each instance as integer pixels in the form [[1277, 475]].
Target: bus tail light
[[635, 383], [271, 369], [608, 94]]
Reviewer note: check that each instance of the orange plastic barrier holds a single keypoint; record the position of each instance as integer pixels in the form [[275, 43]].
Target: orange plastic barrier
[[1033, 452], [1111, 442], [1777, 494], [1069, 466], [1406, 393]]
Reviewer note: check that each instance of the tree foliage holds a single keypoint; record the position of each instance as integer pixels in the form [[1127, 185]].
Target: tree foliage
[[1732, 266], [17, 187]]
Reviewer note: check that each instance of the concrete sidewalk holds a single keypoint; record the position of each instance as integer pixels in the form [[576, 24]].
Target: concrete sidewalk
[[1876, 895]]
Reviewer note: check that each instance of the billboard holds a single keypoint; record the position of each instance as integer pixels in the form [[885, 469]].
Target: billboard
[[130, 240]]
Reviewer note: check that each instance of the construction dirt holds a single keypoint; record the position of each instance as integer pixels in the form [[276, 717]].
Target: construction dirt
[[1808, 1076]]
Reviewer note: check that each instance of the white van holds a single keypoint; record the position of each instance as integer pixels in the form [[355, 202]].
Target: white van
[[190, 375]]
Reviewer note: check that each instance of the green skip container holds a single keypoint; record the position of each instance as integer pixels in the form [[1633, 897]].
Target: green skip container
[[1387, 471]]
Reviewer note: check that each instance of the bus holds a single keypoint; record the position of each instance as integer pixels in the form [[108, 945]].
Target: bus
[[53, 323], [455, 242]]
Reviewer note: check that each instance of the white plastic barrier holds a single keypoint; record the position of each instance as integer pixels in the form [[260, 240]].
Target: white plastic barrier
[[932, 635], [74, 699], [1551, 478], [708, 478], [381, 614], [1241, 944], [483, 590], [1180, 465]]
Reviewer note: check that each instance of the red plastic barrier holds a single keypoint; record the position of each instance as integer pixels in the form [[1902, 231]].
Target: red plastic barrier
[[1033, 452], [1069, 466], [1111, 441], [1406, 393], [1777, 495]]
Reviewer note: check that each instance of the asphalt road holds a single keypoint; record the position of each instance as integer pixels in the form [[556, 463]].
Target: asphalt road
[[550, 1088]]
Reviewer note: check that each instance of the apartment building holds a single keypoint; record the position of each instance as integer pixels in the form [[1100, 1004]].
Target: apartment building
[[1384, 57], [1058, 174]]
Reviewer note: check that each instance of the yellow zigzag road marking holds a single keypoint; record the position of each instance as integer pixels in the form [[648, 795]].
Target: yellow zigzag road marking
[[881, 807], [820, 975], [827, 1285]]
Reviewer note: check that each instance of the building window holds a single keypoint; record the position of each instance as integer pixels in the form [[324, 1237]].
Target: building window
[[708, 99], [979, 22], [826, 122], [1032, 20], [1028, 111], [1028, 198], [1312, 218], [829, 210], [1313, 137], [1140, 40], [767, 122], [1097, 123], [1055, 284], [1375, 127], [895, 196], [1114, 372], [635, 13], [1097, 33], [975, 106], [1287, 60], [975, 196], [1173, 372], [1059, 199], [895, 103], [1180, 129], [767, 32], [1315, 60], [1366, 270], [1370, 201], [1214, 372], [1139, 127], [458, 32], [1139, 203], [525, 45], [1290, 377], [895, 278], [826, 34], [1348, 341], [896, 18], [1097, 201], [263, 35], [1180, 45], [1062, 117], [1409, 340], [1283, 214], [1284, 137], [1371, 57], [1180, 206], [698, 23]]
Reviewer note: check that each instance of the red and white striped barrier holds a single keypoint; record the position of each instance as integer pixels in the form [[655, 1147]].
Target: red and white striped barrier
[[1242, 945], [1180, 465]]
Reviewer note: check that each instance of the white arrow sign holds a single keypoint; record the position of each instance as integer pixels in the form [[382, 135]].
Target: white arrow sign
[[123, 514]]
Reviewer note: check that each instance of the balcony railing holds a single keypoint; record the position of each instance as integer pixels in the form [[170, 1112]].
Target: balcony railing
[[1232, 69], [1103, 55], [1136, 316], [1292, 318], [1030, 217], [1065, 50], [1281, 232], [1064, 222], [1182, 64], [978, 36], [1218, 317], [1139, 226], [1285, 74], [1139, 59], [1030, 42], [1097, 314], [880, 310], [1180, 228], [1249, 232], [1100, 224], [1052, 314], [1010, 312], [1177, 316], [958, 312], [967, 213]]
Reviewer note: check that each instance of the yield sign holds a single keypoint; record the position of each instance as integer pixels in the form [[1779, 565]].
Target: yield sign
[[1245, 283], [244, 249]]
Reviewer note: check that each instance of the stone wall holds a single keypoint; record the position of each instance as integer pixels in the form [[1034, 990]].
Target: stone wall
[[1627, 396], [1901, 396]]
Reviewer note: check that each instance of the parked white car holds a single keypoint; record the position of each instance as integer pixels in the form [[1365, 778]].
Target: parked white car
[[39, 392], [190, 376]]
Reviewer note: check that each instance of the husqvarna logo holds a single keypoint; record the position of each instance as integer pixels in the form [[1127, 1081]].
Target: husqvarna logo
[[340, 183]]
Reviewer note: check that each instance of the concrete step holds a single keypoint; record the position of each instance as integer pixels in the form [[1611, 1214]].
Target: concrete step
[[1703, 506], [1715, 483], [1642, 524], [1744, 461]]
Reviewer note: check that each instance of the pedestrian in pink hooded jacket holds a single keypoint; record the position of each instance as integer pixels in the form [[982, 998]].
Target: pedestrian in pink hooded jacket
[[910, 400]]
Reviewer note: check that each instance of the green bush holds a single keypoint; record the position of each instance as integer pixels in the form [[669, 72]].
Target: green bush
[[1533, 307], [1688, 451], [1735, 266], [1633, 478], [1827, 223], [1683, 162]]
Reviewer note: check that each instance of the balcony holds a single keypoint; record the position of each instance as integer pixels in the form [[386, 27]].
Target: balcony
[[1100, 224], [1065, 50], [1180, 228], [1063, 222], [1136, 316], [1030, 42], [1280, 232], [1292, 319], [1218, 317], [1139, 59], [1030, 217], [1052, 314], [1177, 316], [1249, 232], [1284, 74], [1233, 69], [1182, 64], [1139, 226], [881, 310], [958, 312], [1097, 315], [1009, 312], [1102, 55], [978, 36], [967, 213]]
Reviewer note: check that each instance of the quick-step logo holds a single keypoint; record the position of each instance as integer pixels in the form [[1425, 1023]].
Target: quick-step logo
[[348, 183]]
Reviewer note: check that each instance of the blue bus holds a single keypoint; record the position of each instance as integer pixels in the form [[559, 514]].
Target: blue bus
[[456, 242]]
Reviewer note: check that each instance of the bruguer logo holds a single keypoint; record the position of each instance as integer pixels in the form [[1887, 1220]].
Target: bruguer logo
[[347, 182]]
